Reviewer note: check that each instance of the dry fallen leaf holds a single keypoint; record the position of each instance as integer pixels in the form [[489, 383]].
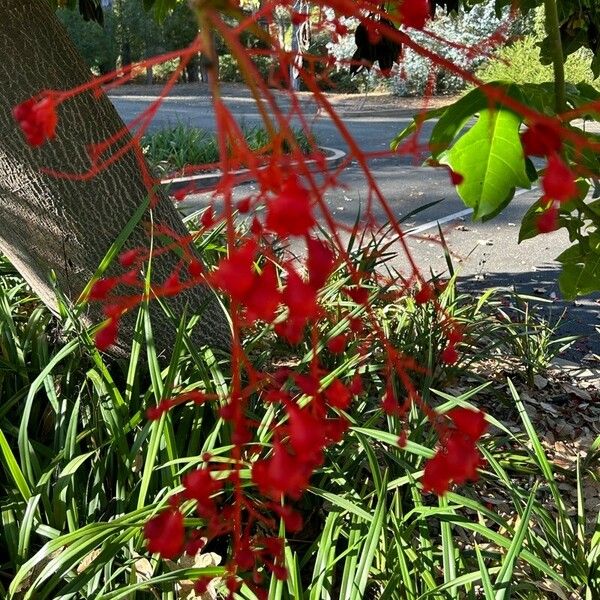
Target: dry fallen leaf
[[549, 585], [143, 568], [87, 560], [577, 391], [185, 587]]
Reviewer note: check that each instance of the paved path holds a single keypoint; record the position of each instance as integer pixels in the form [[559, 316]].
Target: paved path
[[486, 254]]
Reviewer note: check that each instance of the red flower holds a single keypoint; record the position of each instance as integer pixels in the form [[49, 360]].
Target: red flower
[[308, 434], [469, 422], [195, 268], [290, 213], [300, 297], [455, 177], [359, 294], [449, 355], [200, 486], [281, 474], [235, 274], [128, 258], [307, 383], [424, 295], [164, 533], [172, 285], [458, 458], [415, 13], [541, 140], [338, 395], [436, 478], [558, 181], [201, 585], [107, 336], [208, 218], [402, 439], [455, 462], [356, 385], [264, 296], [37, 120], [291, 329], [102, 288], [156, 412], [461, 458], [389, 403], [299, 18], [292, 519], [547, 221], [454, 335], [337, 344], [319, 263]]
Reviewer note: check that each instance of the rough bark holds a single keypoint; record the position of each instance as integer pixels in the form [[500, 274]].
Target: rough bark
[[48, 223]]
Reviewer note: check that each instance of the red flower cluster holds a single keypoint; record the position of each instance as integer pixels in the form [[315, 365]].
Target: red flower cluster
[[541, 139], [559, 181], [165, 533], [299, 448], [547, 221], [290, 213], [260, 294], [37, 119], [263, 286], [458, 458]]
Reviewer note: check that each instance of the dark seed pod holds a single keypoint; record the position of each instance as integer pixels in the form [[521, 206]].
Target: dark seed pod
[[383, 50], [91, 10]]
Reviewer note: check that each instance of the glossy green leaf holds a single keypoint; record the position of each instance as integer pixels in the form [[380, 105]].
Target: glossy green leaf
[[580, 274], [490, 158]]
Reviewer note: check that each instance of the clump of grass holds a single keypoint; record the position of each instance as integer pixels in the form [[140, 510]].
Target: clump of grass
[[174, 148], [83, 468]]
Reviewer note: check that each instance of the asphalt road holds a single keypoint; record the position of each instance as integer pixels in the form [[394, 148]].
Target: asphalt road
[[485, 254]]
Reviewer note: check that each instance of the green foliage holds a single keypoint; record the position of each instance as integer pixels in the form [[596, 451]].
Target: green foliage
[[519, 62], [490, 152], [579, 22], [97, 44], [491, 157], [528, 335], [180, 146], [229, 70], [180, 27], [129, 33], [84, 469]]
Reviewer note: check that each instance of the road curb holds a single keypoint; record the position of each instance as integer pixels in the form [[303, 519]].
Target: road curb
[[381, 112], [195, 183]]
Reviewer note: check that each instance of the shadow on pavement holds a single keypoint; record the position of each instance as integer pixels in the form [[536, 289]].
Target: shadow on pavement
[[582, 316]]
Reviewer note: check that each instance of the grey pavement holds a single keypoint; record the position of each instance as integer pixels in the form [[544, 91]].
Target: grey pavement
[[485, 254]]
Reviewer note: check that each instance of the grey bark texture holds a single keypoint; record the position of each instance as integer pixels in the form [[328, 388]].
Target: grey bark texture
[[49, 223]]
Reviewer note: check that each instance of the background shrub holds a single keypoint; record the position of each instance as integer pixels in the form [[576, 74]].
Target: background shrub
[[229, 71], [520, 63], [471, 30]]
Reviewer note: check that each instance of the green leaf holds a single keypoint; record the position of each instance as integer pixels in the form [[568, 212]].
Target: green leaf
[[454, 119], [572, 222], [413, 128], [11, 466], [490, 158], [370, 546], [160, 8], [580, 274], [506, 577]]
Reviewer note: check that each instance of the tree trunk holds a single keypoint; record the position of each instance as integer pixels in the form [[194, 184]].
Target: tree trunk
[[149, 75], [53, 224], [192, 70]]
